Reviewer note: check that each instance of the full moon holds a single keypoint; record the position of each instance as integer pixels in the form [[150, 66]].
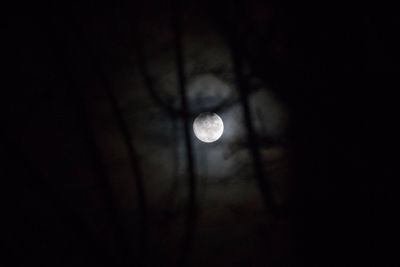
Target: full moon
[[208, 127]]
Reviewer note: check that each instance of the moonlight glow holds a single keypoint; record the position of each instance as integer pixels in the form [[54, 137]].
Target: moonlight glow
[[208, 127]]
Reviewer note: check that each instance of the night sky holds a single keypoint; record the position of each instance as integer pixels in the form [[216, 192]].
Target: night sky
[[101, 166]]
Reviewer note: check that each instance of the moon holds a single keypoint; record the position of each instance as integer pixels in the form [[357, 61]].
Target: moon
[[208, 127]]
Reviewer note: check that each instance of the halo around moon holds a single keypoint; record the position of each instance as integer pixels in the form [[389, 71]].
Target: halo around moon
[[208, 127]]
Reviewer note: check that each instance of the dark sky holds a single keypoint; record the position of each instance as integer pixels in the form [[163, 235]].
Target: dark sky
[[96, 164]]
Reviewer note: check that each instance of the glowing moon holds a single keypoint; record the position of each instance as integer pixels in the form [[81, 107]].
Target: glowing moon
[[208, 127]]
